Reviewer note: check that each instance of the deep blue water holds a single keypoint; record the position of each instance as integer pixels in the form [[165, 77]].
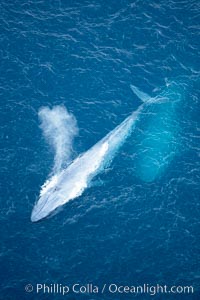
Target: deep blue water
[[85, 55]]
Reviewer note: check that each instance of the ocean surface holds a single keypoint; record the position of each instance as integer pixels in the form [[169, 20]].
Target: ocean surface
[[83, 55]]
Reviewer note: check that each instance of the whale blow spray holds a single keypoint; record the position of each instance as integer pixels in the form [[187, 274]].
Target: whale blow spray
[[59, 128]]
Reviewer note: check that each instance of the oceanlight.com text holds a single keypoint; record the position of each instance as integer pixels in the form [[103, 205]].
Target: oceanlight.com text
[[112, 288]]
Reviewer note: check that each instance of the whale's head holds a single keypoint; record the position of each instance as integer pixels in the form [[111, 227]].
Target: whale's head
[[49, 199], [57, 191], [39, 213], [45, 206]]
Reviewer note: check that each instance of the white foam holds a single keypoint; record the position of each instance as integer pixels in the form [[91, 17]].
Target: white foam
[[48, 185]]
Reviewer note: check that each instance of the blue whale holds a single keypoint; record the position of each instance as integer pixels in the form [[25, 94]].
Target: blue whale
[[71, 182], [154, 148]]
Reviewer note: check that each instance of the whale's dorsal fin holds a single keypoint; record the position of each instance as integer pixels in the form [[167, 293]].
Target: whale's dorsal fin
[[141, 95]]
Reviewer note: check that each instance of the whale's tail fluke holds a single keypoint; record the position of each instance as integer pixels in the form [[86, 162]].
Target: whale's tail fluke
[[141, 95]]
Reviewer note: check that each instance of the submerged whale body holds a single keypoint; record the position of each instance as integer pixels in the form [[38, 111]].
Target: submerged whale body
[[157, 140], [72, 181]]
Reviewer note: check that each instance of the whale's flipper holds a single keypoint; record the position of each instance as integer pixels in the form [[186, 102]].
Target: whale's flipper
[[141, 95]]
